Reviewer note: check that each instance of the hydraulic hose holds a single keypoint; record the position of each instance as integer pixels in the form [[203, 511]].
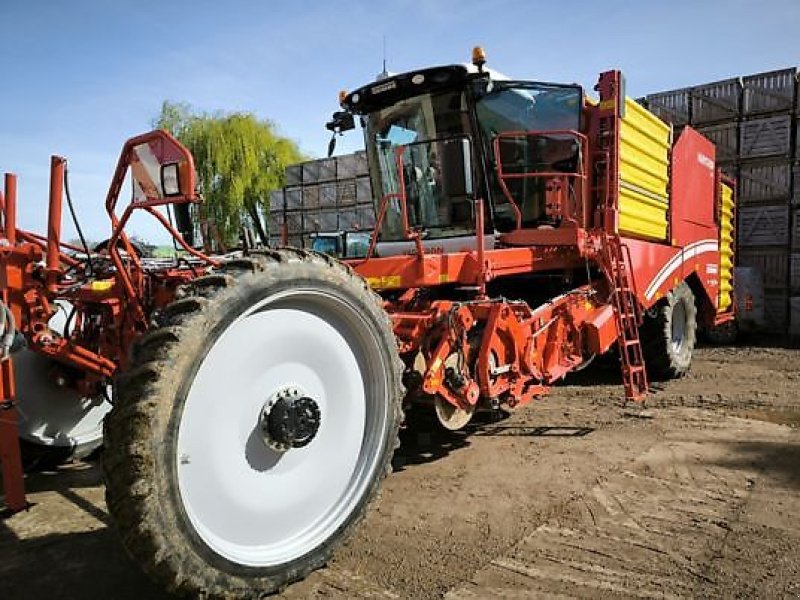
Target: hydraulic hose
[[90, 266]]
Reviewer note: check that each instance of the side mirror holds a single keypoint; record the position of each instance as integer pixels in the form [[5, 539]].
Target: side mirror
[[340, 122], [171, 179]]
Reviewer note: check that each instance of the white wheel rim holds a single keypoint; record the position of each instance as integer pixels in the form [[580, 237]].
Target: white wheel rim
[[249, 503]]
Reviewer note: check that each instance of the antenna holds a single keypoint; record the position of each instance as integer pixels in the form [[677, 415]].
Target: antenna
[[385, 73]]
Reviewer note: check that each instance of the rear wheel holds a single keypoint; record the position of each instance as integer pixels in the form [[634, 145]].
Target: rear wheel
[[669, 334], [254, 427]]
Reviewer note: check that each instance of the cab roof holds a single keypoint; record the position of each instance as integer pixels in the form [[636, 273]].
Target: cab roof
[[385, 92]]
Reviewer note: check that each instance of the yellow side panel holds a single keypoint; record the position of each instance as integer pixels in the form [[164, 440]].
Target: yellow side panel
[[643, 173], [725, 248], [641, 216]]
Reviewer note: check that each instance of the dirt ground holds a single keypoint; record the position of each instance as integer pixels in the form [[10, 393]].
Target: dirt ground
[[697, 496]]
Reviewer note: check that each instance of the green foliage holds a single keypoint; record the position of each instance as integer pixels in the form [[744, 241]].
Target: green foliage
[[239, 160]]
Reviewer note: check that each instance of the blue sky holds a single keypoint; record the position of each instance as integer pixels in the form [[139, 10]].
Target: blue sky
[[80, 77]]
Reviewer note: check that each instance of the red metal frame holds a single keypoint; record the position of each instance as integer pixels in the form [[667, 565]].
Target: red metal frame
[[120, 296]]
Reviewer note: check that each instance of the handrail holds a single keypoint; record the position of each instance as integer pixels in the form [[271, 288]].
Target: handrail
[[408, 232], [187, 195], [503, 176]]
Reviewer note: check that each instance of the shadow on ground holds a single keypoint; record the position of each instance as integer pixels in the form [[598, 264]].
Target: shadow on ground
[[780, 462], [424, 440], [88, 564], [77, 565]]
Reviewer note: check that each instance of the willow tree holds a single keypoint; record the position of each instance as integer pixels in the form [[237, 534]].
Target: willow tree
[[239, 159]]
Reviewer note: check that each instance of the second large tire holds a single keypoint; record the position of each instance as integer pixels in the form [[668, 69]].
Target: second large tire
[[205, 493], [669, 334]]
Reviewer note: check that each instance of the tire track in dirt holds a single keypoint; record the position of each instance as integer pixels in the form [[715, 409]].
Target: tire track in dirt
[[652, 531]]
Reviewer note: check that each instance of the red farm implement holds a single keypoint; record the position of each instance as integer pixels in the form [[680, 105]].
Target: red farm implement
[[255, 397]]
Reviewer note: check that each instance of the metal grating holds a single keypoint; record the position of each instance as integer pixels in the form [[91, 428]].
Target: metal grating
[[327, 169], [348, 218], [797, 139], [366, 216]]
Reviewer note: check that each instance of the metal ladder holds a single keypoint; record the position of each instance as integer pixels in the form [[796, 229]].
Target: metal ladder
[[628, 317]]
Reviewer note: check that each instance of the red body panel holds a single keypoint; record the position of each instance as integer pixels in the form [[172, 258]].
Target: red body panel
[[692, 191], [658, 268]]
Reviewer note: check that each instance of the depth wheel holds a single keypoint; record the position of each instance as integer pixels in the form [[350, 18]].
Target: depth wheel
[[255, 426], [56, 424], [669, 335]]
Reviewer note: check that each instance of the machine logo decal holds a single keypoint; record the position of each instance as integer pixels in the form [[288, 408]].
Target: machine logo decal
[[383, 87], [705, 161]]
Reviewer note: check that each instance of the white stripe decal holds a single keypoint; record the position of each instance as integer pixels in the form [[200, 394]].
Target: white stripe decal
[[691, 251]]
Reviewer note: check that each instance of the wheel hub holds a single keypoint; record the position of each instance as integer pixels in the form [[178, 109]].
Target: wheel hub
[[290, 419]]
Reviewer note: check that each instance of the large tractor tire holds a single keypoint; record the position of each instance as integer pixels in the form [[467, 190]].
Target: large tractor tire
[[254, 427], [669, 335]]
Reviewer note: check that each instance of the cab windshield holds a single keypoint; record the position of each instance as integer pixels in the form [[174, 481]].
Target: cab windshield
[[514, 110], [431, 128]]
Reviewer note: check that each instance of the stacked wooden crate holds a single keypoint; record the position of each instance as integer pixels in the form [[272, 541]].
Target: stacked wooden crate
[[753, 120], [322, 196]]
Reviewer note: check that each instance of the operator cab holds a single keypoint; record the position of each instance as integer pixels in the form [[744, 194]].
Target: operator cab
[[439, 138]]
